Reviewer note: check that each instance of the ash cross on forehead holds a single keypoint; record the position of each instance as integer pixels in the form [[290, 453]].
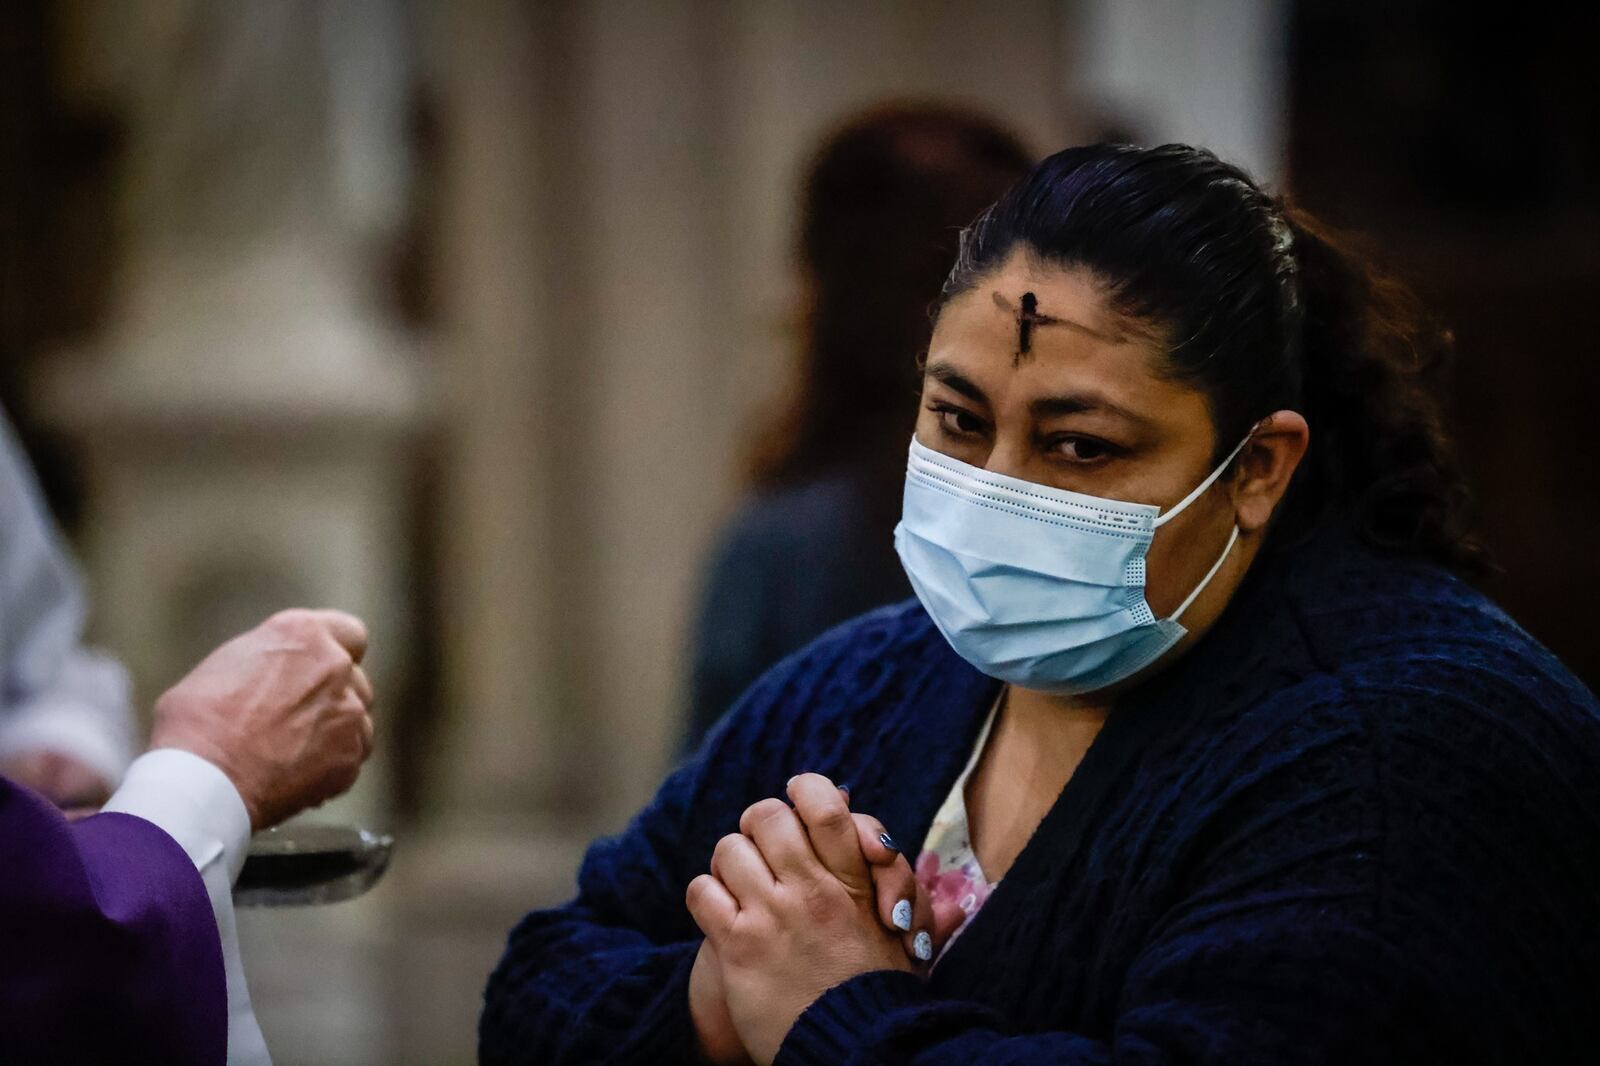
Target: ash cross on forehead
[[1028, 316]]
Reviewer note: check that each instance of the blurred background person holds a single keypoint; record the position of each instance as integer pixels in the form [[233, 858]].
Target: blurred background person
[[66, 723], [810, 546]]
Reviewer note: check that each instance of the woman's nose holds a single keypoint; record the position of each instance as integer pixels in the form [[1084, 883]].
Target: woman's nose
[[1009, 457]]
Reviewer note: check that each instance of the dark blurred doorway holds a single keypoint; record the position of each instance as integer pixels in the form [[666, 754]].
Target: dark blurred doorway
[[1468, 147]]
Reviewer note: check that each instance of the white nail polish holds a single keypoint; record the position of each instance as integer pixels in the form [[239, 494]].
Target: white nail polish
[[923, 946], [902, 916]]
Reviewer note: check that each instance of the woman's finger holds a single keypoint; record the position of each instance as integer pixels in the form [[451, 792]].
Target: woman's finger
[[738, 864], [905, 908], [876, 844], [711, 905], [778, 832], [825, 813], [895, 885], [921, 943]]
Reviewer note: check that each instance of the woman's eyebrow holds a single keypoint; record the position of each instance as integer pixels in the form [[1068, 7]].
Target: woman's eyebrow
[[1071, 403], [1077, 403], [953, 379]]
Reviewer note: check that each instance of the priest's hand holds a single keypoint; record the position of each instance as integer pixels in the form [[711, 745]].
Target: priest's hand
[[282, 710]]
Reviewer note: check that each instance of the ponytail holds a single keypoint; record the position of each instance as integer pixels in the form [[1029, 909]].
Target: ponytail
[[1373, 370]]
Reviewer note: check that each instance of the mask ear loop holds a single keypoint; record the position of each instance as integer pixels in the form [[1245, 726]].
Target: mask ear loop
[[1233, 539], [1211, 479]]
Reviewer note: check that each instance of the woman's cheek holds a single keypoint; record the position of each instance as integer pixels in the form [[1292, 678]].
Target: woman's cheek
[[1180, 555], [1161, 581]]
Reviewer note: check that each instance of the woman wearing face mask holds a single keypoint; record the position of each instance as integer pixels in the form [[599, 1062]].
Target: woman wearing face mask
[[1211, 754]]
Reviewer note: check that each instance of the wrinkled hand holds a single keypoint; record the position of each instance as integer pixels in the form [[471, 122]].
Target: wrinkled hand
[[282, 709], [59, 778], [784, 926]]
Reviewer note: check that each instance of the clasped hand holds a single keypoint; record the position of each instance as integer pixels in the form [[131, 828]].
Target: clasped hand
[[802, 898]]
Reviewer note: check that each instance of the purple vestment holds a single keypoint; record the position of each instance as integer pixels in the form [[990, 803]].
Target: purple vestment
[[108, 947]]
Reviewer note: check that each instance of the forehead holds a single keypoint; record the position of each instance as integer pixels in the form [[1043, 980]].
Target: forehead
[[1067, 329]]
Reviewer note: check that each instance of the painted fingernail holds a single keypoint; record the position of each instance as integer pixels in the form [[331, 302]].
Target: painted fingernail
[[923, 946], [902, 916], [888, 841]]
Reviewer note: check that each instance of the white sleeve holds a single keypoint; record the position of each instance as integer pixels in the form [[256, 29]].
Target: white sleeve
[[84, 714], [194, 803], [54, 694]]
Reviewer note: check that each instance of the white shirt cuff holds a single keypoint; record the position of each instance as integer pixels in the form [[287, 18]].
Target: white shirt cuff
[[193, 801]]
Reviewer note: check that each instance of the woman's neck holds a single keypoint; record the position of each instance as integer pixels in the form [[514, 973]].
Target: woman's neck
[[1036, 744], [1052, 721]]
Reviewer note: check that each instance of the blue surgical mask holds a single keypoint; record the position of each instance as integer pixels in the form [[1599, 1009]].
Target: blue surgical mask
[[1037, 586]]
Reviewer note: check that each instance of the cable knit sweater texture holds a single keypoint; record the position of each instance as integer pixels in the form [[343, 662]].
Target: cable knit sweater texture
[[1359, 822]]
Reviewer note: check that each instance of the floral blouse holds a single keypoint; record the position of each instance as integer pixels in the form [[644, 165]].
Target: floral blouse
[[947, 868]]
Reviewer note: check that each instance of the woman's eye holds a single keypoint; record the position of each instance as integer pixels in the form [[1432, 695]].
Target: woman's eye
[[1083, 449], [958, 422]]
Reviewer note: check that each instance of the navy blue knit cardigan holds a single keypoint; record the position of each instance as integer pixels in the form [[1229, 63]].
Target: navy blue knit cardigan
[[1358, 822]]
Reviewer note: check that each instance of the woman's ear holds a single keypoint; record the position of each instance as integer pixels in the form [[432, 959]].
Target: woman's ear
[[1265, 465]]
